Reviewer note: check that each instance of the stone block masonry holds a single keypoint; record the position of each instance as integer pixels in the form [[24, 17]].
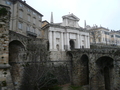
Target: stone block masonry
[[4, 48]]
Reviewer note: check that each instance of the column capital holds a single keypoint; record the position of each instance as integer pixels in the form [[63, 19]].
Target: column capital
[[50, 31]]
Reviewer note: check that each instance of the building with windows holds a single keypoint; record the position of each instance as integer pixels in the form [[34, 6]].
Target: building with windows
[[24, 19], [82, 67], [115, 38], [103, 36], [66, 35], [99, 35], [23, 23]]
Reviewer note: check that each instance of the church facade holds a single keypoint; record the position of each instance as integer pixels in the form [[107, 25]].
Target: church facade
[[67, 35]]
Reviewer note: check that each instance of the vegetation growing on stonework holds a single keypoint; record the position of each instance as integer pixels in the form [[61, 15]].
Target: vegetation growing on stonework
[[37, 77], [75, 87], [40, 73], [37, 74], [3, 12], [4, 15], [3, 83]]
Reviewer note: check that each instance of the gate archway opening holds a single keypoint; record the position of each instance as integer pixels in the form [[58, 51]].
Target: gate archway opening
[[105, 65], [72, 44], [16, 56], [84, 70], [48, 45]]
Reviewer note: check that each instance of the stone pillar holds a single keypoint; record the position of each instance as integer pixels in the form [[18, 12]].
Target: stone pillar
[[64, 43], [4, 51], [117, 73], [67, 41], [80, 41], [114, 39], [50, 40], [86, 41], [96, 79], [61, 44], [54, 40], [83, 43]]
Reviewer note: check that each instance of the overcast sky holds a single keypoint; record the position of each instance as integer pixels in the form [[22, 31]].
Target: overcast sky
[[100, 12]]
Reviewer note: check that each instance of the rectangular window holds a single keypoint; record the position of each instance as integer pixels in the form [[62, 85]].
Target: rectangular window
[[107, 33], [92, 33], [39, 23], [29, 18], [33, 30], [99, 39], [34, 13], [8, 3], [117, 36], [34, 20], [20, 25], [20, 13], [111, 35], [28, 10], [28, 28], [39, 17], [21, 5]]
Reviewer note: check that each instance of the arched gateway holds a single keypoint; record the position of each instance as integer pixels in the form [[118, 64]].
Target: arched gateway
[[72, 44], [84, 69], [105, 66], [96, 69], [16, 56]]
